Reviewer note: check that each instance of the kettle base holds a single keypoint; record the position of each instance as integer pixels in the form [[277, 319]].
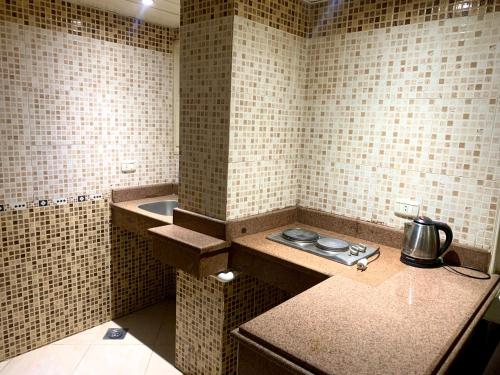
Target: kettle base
[[420, 263]]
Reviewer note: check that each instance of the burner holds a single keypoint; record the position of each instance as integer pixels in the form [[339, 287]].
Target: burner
[[300, 235], [326, 247], [332, 244]]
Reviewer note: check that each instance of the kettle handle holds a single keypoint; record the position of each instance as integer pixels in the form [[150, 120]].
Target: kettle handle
[[449, 236]]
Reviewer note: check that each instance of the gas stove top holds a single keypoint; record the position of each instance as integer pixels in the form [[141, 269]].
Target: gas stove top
[[335, 249]]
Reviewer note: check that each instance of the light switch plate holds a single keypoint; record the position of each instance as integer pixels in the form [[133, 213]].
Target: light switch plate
[[407, 209], [129, 166]]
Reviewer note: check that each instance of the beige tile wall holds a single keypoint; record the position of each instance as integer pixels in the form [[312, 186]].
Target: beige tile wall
[[399, 100], [211, 102], [80, 90], [205, 80], [408, 111], [266, 115], [73, 108]]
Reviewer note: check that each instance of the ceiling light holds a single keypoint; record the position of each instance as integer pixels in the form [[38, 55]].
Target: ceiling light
[[147, 3]]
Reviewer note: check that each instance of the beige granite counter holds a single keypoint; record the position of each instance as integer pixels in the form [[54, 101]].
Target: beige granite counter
[[391, 318], [133, 207], [193, 241], [129, 216], [386, 265]]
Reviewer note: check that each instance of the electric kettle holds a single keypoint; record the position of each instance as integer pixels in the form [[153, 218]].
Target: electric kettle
[[421, 243]]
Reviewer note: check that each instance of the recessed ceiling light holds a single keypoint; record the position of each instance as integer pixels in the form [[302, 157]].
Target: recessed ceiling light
[[147, 2]]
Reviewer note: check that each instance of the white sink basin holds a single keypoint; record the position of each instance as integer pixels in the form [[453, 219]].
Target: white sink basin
[[161, 207]]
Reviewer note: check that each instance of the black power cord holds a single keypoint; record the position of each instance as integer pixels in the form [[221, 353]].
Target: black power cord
[[453, 269]]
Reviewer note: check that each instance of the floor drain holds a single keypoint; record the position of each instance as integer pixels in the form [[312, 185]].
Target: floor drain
[[115, 334]]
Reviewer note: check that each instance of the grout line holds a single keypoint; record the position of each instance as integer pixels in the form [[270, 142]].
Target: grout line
[[81, 359], [149, 361]]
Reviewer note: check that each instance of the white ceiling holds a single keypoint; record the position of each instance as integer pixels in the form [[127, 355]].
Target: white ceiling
[[162, 12]]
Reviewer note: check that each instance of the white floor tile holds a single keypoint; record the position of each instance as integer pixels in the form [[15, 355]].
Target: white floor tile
[[87, 337], [159, 366], [139, 333], [86, 353], [48, 360], [114, 359], [3, 364]]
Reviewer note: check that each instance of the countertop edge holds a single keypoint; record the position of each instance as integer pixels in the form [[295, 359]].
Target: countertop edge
[[212, 249], [454, 350], [440, 368], [270, 353]]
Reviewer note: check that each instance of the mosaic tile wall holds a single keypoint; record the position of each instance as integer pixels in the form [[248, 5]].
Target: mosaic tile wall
[[73, 108], [266, 119], [291, 16], [63, 16], [399, 97], [406, 111], [66, 269], [205, 80], [80, 90], [207, 310]]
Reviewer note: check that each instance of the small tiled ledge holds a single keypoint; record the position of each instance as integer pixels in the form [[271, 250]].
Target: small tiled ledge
[[195, 253]]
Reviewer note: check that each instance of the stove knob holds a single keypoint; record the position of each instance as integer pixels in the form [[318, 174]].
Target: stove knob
[[360, 247], [353, 250]]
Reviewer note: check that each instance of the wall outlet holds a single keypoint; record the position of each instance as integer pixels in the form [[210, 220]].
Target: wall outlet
[[60, 201], [95, 197], [43, 203], [129, 166], [407, 209], [19, 206]]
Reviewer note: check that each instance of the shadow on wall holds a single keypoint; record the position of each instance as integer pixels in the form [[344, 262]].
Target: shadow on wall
[[137, 280], [65, 269]]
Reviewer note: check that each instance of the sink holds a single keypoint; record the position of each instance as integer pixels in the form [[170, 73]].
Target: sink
[[162, 207]]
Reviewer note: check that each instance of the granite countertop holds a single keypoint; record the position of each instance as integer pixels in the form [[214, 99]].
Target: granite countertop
[[133, 207], [195, 241], [386, 265], [391, 318]]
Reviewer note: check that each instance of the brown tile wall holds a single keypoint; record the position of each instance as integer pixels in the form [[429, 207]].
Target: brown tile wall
[[207, 310], [328, 17], [63, 16], [291, 16], [66, 269]]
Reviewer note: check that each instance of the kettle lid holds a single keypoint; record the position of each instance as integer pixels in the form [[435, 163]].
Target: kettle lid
[[424, 220]]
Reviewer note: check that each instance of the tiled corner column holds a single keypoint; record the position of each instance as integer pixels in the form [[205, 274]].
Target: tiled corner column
[[206, 313], [205, 96]]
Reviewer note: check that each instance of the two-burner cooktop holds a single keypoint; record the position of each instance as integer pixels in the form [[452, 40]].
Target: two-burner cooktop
[[341, 251]]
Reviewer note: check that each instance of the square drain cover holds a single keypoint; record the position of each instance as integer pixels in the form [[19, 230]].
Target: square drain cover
[[115, 334]]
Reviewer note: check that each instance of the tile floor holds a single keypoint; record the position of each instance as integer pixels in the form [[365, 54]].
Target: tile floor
[[148, 349]]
